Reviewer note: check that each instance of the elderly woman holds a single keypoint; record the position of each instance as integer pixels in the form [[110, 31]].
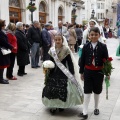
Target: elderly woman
[[23, 51], [4, 59], [72, 37], [13, 41]]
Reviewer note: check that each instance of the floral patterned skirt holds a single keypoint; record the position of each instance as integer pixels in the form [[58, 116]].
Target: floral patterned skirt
[[61, 94]]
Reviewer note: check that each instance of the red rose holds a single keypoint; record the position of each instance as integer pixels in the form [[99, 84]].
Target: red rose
[[110, 59], [104, 60]]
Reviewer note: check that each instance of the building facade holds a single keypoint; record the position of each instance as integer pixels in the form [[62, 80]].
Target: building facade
[[102, 10], [47, 10]]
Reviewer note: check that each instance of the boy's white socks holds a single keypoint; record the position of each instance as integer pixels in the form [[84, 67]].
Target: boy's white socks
[[96, 99], [86, 103]]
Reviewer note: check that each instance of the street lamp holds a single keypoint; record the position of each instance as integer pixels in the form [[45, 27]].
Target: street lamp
[[92, 15], [74, 7], [74, 11], [31, 10]]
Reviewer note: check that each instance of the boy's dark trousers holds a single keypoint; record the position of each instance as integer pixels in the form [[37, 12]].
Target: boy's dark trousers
[[93, 81]]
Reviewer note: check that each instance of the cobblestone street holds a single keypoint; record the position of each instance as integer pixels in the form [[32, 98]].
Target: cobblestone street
[[21, 99]]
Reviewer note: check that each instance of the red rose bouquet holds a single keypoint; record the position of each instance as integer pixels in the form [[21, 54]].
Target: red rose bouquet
[[107, 70]]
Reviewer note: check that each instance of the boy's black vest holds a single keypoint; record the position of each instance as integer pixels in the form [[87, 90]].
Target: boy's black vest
[[100, 52]]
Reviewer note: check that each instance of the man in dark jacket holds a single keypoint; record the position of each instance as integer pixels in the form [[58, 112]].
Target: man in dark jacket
[[34, 38], [46, 41]]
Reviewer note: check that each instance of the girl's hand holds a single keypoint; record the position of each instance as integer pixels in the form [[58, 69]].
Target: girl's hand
[[82, 77]]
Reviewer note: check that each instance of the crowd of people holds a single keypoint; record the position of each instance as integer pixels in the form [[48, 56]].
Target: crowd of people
[[63, 88]]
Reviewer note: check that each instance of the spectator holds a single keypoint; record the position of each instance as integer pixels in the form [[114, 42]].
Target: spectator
[[26, 30], [13, 41], [23, 51], [34, 38], [46, 41], [72, 38], [79, 37], [4, 59], [62, 29], [52, 35]]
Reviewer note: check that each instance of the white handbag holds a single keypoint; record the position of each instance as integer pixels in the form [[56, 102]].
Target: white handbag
[[5, 51]]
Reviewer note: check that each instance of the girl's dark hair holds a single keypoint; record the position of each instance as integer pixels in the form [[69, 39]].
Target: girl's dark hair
[[95, 29], [2, 23]]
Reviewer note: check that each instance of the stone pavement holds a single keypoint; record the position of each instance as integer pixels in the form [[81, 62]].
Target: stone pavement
[[21, 99]]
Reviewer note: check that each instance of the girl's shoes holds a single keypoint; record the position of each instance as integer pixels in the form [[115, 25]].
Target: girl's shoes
[[53, 111], [96, 112], [61, 109]]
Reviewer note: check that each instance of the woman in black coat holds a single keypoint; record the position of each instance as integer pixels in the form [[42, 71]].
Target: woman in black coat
[[23, 50], [4, 59]]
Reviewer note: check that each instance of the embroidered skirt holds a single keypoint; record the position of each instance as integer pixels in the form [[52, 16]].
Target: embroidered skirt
[[67, 97]]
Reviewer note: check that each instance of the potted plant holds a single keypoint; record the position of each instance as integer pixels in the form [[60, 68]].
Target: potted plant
[[31, 8], [74, 16]]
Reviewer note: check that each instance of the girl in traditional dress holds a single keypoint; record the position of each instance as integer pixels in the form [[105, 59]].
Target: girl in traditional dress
[[62, 90], [92, 23]]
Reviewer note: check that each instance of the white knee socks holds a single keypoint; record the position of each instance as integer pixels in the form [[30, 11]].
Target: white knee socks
[[86, 103], [96, 98]]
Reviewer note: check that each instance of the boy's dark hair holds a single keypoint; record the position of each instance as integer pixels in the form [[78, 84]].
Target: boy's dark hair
[[95, 29]]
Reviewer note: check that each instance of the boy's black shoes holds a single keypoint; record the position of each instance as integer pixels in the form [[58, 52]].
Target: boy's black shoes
[[96, 112], [83, 116]]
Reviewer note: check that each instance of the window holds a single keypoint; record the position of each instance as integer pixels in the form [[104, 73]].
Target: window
[[42, 7], [14, 3], [60, 11], [98, 5], [100, 15], [102, 5]]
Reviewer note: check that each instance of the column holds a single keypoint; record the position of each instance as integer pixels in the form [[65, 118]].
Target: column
[[50, 10], [4, 6], [56, 13], [53, 12]]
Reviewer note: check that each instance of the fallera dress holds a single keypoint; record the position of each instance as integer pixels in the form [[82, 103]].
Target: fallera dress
[[59, 91]]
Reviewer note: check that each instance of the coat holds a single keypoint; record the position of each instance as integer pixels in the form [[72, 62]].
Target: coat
[[79, 33], [72, 36], [100, 52], [12, 40], [4, 59], [34, 35], [46, 38], [23, 49]]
